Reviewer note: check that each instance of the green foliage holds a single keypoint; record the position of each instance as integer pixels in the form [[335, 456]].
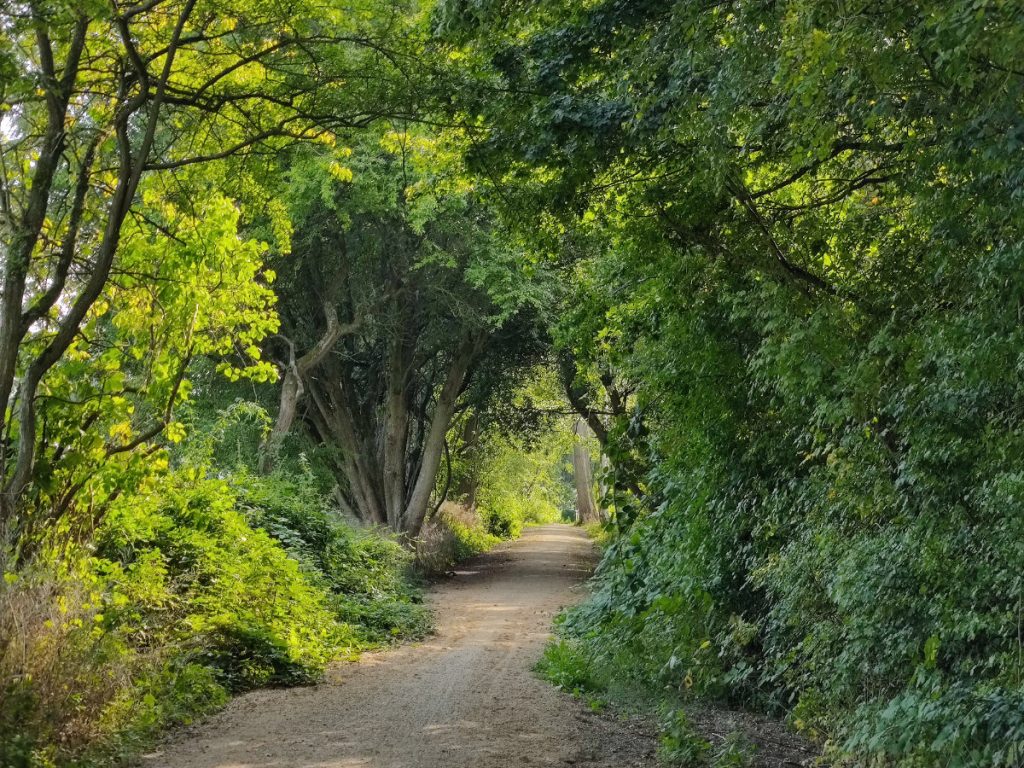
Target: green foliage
[[138, 211], [776, 247], [186, 568], [515, 472], [734, 752], [602, 534], [503, 522], [565, 665], [368, 574], [124, 206], [196, 587], [521, 483], [471, 540], [57, 668], [681, 744], [395, 248], [157, 161], [79, 685], [791, 235], [174, 694]]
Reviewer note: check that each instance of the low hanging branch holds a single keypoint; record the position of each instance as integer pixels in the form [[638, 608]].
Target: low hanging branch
[[804, 277], [293, 385]]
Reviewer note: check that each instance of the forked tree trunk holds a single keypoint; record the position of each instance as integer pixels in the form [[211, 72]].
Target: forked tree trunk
[[293, 384], [381, 486], [433, 446], [357, 462]]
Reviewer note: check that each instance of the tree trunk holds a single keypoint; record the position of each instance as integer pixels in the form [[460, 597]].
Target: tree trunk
[[291, 391], [628, 472], [358, 464], [433, 445], [396, 425], [587, 510], [293, 386]]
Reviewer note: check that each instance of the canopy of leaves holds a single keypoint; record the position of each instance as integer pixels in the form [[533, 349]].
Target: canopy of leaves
[[793, 232], [773, 250]]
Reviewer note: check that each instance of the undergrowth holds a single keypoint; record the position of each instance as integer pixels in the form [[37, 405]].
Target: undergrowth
[[194, 588], [454, 534], [572, 665]]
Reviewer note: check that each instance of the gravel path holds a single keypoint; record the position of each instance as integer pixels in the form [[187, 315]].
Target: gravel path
[[464, 698]]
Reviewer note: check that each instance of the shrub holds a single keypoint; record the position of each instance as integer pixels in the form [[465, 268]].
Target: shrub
[[72, 687], [187, 570], [502, 522], [164, 695], [471, 540], [567, 666], [681, 744], [456, 533], [194, 587], [735, 751], [367, 572], [58, 669]]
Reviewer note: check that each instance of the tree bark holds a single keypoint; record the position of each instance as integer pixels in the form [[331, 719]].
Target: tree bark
[[396, 418], [467, 486], [587, 509], [293, 384], [358, 463], [433, 446]]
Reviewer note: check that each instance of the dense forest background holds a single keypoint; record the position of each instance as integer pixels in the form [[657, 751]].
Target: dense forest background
[[295, 296]]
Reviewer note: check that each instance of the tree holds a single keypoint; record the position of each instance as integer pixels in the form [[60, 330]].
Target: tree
[[587, 509], [103, 105], [790, 231], [411, 267]]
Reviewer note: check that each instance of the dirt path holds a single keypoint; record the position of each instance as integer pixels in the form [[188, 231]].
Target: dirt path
[[464, 698]]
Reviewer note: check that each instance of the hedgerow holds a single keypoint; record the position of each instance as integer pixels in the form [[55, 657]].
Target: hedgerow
[[791, 239]]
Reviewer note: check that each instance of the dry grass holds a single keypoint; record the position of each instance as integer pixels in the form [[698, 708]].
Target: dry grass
[[58, 670], [438, 547]]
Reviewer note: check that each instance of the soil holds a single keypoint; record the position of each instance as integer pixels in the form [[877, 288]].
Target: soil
[[467, 697], [464, 698]]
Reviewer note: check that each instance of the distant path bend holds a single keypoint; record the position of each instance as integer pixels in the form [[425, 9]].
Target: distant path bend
[[464, 698]]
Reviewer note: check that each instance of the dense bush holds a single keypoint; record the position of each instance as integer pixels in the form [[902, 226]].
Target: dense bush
[[454, 534], [188, 570], [503, 522], [369, 575], [195, 587], [793, 240]]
